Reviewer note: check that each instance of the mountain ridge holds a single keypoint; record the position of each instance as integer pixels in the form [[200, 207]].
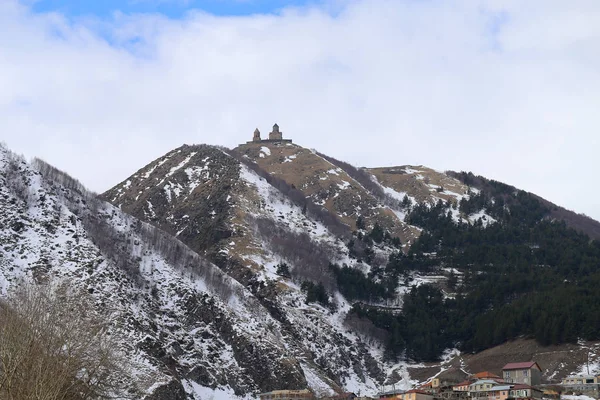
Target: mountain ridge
[[265, 266]]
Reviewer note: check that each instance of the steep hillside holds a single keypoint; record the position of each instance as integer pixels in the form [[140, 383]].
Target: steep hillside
[[327, 185], [423, 184], [191, 328], [186, 193], [271, 265], [271, 219], [343, 228], [262, 229], [579, 222]]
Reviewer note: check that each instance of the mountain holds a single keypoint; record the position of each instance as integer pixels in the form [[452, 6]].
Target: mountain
[[274, 266], [182, 316]]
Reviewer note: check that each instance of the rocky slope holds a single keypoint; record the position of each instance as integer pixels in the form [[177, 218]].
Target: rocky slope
[[261, 205], [222, 209], [191, 328], [190, 250]]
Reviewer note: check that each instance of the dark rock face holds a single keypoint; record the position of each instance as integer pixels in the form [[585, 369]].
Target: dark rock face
[[185, 193], [265, 370]]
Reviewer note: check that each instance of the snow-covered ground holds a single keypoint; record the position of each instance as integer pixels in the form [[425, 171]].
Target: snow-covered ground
[[580, 397]]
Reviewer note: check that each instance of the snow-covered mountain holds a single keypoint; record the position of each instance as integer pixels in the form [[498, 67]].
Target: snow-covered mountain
[[193, 328], [191, 249]]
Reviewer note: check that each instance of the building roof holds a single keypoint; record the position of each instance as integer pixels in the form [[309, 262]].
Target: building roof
[[286, 391], [497, 388], [485, 374], [520, 365], [483, 381], [394, 391], [465, 383], [418, 391], [522, 386]]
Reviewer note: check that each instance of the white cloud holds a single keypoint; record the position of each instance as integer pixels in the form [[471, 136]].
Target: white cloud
[[507, 89]]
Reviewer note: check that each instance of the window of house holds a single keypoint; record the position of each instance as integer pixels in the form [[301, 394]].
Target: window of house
[[525, 373]]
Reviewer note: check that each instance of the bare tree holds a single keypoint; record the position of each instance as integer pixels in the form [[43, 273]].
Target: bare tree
[[54, 346], [310, 258]]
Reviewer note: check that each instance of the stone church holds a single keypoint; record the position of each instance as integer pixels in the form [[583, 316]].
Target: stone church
[[274, 136]]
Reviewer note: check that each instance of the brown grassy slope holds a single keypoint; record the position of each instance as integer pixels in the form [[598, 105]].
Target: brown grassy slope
[[579, 222], [420, 182], [327, 185]]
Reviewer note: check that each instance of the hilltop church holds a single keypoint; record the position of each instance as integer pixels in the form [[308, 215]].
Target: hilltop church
[[274, 136]]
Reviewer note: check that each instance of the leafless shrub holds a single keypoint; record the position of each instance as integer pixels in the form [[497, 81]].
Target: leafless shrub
[[366, 329], [309, 258], [185, 259], [62, 178], [15, 176], [53, 345]]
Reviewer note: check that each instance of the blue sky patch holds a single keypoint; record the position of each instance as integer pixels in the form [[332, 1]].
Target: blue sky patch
[[169, 8]]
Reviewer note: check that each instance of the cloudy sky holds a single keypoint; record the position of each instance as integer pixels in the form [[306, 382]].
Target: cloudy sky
[[507, 89]]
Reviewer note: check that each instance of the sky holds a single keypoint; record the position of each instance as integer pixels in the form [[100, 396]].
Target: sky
[[507, 89]]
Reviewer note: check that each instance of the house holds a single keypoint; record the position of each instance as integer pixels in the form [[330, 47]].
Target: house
[[479, 389], [521, 391], [580, 380], [415, 394], [304, 394], [443, 382], [500, 392], [588, 384], [429, 386], [526, 373], [462, 386], [482, 384], [485, 375], [391, 394]]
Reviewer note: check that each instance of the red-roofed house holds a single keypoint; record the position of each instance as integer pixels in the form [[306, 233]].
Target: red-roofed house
[[527, 373], [428, 387], [486, 375]]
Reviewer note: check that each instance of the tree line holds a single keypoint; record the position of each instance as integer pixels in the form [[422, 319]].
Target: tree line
[[525, 275]]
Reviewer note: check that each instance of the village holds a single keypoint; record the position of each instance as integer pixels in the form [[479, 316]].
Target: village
[[518, 381]]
